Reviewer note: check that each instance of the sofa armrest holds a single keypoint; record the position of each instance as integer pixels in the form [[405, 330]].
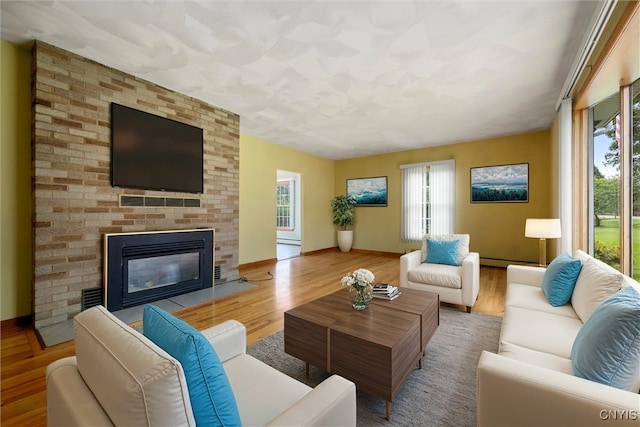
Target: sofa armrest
[[470, 278], [525, 275], [514, 393], [229, 339], [69, 399], [330, 403], [408, 262]]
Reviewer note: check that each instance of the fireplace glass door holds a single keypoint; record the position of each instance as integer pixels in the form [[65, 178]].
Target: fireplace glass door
[[158, 271]]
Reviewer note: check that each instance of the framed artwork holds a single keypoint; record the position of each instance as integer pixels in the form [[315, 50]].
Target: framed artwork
[[500, 184], [368, 191]]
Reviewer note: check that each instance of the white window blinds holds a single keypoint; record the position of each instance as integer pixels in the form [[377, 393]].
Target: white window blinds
[[428, 199]]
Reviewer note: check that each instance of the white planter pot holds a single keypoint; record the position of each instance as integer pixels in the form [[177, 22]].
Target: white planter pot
[[345, 240]]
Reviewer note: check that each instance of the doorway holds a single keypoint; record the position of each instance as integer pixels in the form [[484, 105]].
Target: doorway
[[288, 214]]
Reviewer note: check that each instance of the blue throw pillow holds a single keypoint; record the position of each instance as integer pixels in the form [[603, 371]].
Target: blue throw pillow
[[442, 252], [560, 278], [607, 347], [212, 399]]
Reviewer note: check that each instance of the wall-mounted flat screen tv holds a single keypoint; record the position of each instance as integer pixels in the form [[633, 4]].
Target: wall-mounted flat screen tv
[[154, 153]]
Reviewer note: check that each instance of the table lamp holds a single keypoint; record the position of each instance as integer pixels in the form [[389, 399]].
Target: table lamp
[[542, 229]]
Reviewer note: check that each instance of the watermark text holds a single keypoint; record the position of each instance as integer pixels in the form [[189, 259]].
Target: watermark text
[[619, 414]]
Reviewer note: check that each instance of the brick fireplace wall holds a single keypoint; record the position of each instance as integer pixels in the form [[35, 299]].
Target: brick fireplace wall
[[74, 203]]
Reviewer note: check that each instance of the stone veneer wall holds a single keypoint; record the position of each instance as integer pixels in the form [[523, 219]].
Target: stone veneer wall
[[74, 203]]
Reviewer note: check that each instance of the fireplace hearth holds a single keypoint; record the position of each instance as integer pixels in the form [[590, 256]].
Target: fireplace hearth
[[149, 266]]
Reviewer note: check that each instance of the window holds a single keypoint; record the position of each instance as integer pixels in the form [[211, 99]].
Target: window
[[605, 181], [635, 183], [614, 201], [428, 199], [284, 205]]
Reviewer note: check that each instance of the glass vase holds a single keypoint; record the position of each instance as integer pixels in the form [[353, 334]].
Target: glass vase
[[360, 296]]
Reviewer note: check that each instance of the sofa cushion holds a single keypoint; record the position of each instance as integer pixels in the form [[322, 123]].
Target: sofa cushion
[[537, 358], [211, 395], [115, 361], [537, 330], [560, 278], [607, 348], [442, 252], [532, 297], [442, 275], [595, 284], [463, 244], [262, 392]]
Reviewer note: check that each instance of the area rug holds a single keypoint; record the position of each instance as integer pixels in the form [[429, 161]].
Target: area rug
[[442, 393]]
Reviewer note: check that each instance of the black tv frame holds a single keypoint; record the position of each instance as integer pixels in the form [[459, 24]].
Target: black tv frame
[[168, 155]]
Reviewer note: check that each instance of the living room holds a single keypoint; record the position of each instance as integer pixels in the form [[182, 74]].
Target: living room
[[69, 227], [497, 230]]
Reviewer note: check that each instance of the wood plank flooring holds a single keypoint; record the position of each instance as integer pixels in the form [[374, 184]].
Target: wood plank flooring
[[294, 282]]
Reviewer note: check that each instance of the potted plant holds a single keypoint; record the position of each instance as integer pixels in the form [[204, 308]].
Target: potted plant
[[343, 217]]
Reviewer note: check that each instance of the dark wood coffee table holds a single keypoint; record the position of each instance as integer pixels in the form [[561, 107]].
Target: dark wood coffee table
[[376, 348]]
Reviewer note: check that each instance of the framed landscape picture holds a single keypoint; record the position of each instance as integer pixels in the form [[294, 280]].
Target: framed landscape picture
[[368, 191], [500, 184]]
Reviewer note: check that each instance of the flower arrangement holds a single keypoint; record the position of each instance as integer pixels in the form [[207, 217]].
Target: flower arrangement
[[360, 289], [359, 278]]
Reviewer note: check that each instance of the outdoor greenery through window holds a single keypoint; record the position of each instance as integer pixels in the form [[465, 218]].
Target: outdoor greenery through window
[[635, 140], [607, 182], [284, 205]]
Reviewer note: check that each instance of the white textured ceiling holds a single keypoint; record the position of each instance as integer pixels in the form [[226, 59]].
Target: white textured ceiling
[[336, 79]]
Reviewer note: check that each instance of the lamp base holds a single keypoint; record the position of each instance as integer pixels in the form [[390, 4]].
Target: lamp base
[[542, 253]]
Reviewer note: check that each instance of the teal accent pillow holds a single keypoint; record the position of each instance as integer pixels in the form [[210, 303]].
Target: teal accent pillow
[[607, 347], [560, 278], [442, 252], [212, 399]]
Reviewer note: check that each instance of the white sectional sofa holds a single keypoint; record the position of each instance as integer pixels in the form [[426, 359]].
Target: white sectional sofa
[[120, 377], [530, 381]]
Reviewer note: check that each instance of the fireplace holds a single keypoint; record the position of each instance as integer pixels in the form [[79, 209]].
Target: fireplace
[[149, 266]]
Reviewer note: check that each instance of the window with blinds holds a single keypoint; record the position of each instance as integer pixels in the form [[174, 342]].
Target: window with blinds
[[428, 199]]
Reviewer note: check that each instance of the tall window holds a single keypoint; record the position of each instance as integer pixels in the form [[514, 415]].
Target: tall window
[[284, 205], [605, 182], [615, 180], [428, 199], [635, 169]]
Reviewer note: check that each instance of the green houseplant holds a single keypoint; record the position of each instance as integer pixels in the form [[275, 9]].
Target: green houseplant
[[343, 217]]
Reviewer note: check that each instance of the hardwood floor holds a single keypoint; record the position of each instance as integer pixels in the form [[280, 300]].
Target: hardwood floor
[[294, 282]]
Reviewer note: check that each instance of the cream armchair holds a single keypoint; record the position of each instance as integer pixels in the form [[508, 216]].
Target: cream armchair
[[120, 377], [455, 284]]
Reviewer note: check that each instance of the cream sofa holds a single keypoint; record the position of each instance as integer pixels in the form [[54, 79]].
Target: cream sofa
[[119, 377], [455, 284], [530, 382]]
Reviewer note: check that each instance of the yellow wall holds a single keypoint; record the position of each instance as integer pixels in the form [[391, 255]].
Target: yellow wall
[[496, 229], [259, 162], [15, 182]]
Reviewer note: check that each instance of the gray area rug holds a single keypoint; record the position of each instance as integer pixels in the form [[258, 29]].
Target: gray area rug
[[442, 393]]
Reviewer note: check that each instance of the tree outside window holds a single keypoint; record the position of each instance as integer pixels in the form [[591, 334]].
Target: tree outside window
[[606, 180]]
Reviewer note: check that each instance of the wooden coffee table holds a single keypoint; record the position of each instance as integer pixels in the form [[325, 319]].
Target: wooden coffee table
[[376, 348]]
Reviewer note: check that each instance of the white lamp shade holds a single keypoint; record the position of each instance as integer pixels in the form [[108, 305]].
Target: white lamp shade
[[542, 228]]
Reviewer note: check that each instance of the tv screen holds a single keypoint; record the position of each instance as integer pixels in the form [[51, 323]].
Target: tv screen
[[154, 153]]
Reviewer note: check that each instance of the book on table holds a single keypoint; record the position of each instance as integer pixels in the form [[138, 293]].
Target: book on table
[[385, 291], [383, 287]]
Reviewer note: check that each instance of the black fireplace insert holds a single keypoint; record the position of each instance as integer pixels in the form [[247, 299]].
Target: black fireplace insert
[[149, 266]]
